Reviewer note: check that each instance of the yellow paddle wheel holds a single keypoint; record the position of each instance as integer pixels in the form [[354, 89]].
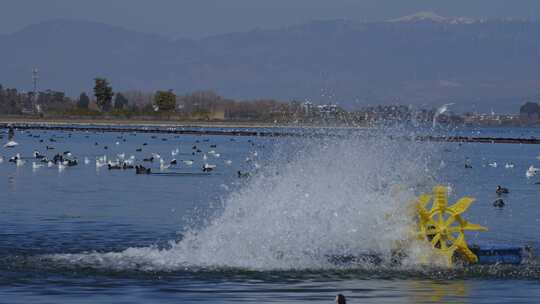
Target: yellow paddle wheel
[[443, 227]]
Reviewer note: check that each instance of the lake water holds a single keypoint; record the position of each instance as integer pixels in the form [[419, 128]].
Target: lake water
[[85, 234]]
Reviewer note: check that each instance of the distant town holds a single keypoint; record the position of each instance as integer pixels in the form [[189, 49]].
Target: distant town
[[207, 106]]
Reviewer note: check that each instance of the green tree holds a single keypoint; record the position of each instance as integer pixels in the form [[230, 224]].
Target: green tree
[[104, 94], [165, 101], [530, 109], [120, 101], [133, 108], [84, 101]]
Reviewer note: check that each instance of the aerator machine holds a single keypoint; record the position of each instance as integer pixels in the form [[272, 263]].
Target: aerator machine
[[443, 228]]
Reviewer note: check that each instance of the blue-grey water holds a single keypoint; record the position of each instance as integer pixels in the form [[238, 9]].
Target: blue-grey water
[[85, 234]]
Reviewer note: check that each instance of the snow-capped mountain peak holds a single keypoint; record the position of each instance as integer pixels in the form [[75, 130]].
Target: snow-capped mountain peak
[[433, 17]]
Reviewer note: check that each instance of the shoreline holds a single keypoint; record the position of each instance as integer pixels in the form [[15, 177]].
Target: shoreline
[[257, 130], [166, 127], [164, 123]]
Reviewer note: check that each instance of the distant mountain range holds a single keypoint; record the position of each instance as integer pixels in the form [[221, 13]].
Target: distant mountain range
[[422, 59]]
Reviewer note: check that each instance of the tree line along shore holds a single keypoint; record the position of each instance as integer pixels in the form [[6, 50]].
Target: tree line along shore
[[163, 106], [160, 106]]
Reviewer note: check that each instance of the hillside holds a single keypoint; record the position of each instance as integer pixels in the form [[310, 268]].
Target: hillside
[[419, 59]]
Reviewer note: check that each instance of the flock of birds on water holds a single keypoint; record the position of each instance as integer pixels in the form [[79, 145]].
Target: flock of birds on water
[[500, 191], [121, 161], [209, 159]]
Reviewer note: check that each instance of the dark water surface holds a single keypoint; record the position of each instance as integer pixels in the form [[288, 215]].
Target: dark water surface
[[84, 210]]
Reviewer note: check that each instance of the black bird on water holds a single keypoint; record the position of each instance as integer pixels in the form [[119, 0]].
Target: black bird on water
[[500, 190], [340, 299], [499, 203], [114, 167], [38, 155], [208, 168], [139, 169], [242, 174]]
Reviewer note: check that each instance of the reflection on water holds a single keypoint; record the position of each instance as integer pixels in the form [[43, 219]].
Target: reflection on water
[[438, 292], [11, 183]]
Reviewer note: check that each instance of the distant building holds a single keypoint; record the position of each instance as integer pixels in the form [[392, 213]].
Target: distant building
[[27, 106], [327, 109], [491, 119], [217, 113], [387, 113], [307, 106]]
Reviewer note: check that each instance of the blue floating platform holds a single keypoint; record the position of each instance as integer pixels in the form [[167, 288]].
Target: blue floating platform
[[487, 255], [499, 254]]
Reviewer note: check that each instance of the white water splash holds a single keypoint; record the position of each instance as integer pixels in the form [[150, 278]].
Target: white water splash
[[334, 197], [441, 110]]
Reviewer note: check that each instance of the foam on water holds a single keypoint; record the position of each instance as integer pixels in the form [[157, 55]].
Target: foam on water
[[321, 197]]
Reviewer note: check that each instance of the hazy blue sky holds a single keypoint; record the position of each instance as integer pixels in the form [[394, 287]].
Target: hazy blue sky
[[196, 18]]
